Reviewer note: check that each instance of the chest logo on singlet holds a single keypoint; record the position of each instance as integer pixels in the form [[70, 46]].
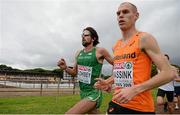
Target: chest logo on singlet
[[89, 53], [84, 74], [125, 56], [123, 74]]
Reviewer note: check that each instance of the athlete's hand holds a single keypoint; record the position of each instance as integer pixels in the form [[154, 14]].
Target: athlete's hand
[[62, 64], [124, 95], [102, 85]]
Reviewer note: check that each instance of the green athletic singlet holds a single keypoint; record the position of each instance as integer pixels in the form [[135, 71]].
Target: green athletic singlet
[[89, 69]]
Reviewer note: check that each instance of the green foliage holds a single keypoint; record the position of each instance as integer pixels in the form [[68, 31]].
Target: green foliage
[[153, 70], [37, 70], [57, 72], [4, 67]]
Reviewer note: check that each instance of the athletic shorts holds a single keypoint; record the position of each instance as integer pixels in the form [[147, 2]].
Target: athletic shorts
[[177, 90], [117, 109], [169, 94], [94, 95]]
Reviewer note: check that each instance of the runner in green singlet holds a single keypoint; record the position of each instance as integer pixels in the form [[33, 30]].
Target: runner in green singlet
[[87, 67]]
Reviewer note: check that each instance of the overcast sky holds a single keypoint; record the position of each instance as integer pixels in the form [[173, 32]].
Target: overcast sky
[[36, 33]]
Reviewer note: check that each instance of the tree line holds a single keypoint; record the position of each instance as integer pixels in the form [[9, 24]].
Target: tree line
[[37, 71]]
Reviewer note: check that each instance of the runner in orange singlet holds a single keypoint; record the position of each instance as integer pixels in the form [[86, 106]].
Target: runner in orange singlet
[[131, 67], [133, 55]]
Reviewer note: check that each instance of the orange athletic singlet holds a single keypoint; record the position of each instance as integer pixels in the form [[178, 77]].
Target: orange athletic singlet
[[132, 66]]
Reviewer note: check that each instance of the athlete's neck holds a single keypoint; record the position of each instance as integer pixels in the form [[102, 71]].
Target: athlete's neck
[[88, 48], [127, 34]]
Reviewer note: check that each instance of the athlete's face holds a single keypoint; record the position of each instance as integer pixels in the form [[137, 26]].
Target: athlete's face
[[86, 38], [126, 16]]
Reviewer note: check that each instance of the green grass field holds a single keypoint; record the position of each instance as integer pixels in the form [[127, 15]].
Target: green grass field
[[44, 104]]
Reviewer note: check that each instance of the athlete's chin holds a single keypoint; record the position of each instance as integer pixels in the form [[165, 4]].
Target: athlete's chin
[[123, 28], [85, 44]]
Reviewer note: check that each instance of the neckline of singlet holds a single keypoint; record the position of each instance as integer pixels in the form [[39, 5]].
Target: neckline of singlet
[[88, 51], [131, 39]]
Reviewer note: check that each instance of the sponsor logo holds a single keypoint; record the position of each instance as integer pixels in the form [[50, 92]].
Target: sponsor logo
[[127, 65], [125, 56], [83, 68]]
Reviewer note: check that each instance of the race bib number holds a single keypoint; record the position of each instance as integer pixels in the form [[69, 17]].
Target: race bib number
[[84, 74], [123, 74]]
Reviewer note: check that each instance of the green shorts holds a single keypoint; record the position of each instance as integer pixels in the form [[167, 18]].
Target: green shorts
[[94, 95]]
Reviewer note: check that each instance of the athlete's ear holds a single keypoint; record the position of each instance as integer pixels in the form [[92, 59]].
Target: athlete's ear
[[94, 39], [137, 15]]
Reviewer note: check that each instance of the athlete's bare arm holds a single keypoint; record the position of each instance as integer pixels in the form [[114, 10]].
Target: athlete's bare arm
[[105, 85], [102, 54], [71, 71], [149, 44], [101, 84]]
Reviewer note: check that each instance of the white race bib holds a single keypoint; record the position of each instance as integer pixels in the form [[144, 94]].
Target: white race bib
[[84, 74], [123, 74]]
